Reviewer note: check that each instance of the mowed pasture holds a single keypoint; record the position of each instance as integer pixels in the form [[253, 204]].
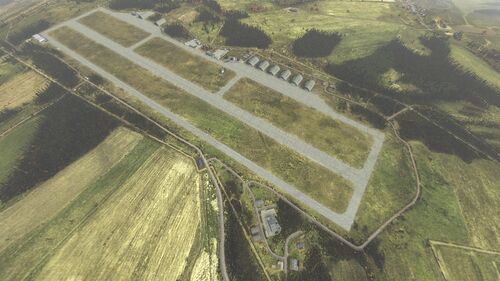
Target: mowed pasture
[[117, 30], [459, 264], [191, 67], [20, 89], [331, 136], [144, 231], [46, 200], [311, 178]]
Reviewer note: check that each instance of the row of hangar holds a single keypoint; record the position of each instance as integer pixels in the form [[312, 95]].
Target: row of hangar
[[285, 74]]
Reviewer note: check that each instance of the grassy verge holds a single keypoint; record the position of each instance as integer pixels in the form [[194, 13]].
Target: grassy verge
[[311, 178], [20, 259], [117, 30], [13, 145], [339, 140], [189, 66]]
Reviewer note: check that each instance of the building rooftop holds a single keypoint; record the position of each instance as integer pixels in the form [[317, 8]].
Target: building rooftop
[[294, 264], [220, 53], [285, 74], [264, 65], [253, 61], [309, 85], [271, 225], [274, 69], [297, 79]]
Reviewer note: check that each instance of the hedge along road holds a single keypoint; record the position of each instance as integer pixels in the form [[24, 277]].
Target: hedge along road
[[358, 177]]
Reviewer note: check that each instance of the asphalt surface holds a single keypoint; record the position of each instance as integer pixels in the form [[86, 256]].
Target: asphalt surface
[[358, 177]]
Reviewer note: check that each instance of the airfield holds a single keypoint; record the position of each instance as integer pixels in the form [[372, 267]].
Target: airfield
[[111, 54]]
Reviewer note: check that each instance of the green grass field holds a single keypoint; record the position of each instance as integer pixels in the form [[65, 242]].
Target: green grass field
[[460, 264], [189, 66], [13, 144], [365, 26], [311, 178], [331, 136], [391, 186], [113, 28], [474, 64]]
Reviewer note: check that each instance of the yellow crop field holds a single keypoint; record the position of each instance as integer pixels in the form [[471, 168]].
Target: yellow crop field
[[206, 265], [144, 231], [50, 197], [20, 89]]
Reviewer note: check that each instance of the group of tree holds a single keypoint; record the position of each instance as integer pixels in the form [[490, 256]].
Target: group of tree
[[176, 30], [241, 34], [315, 43], [161, 6]]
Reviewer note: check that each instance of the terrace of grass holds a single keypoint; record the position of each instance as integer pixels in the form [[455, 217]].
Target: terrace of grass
[[331, 136], [187, 65], [329, 189], [113, 28]]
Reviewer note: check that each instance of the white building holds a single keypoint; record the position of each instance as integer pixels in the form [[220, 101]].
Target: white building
[[40, 38]]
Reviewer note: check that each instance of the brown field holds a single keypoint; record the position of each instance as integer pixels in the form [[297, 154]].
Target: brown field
[[117, 30], [144, 231], [21, 89], [50, 197]]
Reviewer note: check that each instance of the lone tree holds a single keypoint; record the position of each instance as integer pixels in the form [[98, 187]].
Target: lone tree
[[315, 43]]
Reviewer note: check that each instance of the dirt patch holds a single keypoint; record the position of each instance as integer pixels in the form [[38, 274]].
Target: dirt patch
[[51, 196]]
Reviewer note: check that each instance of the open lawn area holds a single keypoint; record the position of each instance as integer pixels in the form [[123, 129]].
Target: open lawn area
[[12, 146], [334, 137], [322, 185], [365, 26], [20, 89], [113, 28], [189, 66], [462, 264], [40, 205], [155, 223], [472, 63]]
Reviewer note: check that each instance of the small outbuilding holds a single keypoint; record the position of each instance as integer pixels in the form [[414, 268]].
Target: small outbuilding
[[259, 203], [195, 43], [309, 85], [253, 61], [263, 65], [297, 79], [273, 70], [294, 264], [40, 38], [285, 74], [161, 22], [220, 53]]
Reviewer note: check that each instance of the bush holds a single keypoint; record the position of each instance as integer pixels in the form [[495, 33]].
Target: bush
[[315, 43]]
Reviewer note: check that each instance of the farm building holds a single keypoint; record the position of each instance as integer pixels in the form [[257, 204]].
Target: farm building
[[309, 85], [273, 70], [195, 43], [297, 79], [271, 225], [40, 38], [161, 22], [253, 61], [294, 265], [264, 65], [285, 74], [220, 53]]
